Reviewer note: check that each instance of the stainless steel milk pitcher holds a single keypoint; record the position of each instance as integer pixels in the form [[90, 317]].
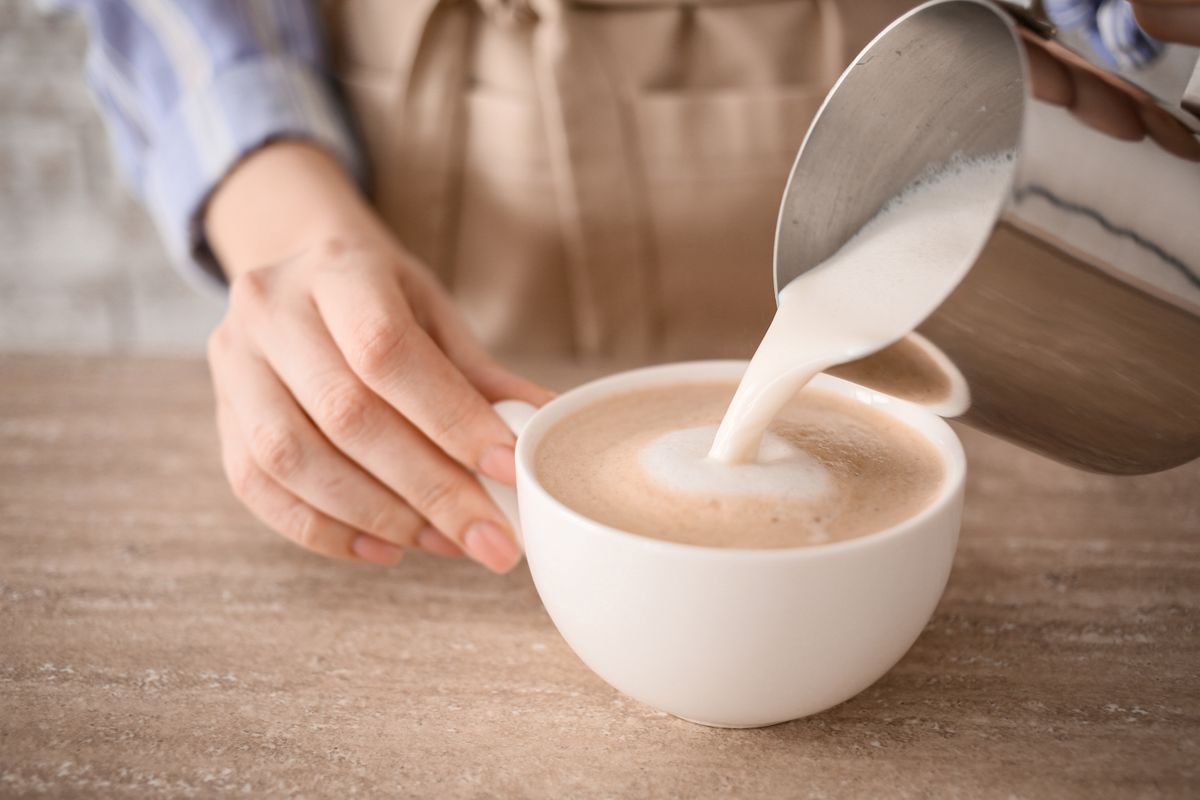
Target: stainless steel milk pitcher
[[1078, 327]]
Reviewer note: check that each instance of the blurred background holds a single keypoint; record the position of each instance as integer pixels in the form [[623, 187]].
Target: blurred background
[[81, 268]]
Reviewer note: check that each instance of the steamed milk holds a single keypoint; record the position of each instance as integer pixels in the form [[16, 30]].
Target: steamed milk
[[879, 286], [770, 465]]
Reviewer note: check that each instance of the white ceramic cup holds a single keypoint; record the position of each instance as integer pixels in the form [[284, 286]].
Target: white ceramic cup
[[728, 637]]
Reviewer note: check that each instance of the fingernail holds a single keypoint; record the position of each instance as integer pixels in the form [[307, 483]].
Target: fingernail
[[499, 462], [491, 547], [377, 551], [434, 541]]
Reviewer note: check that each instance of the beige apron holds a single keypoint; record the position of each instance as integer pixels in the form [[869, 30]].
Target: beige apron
[[593, 177]]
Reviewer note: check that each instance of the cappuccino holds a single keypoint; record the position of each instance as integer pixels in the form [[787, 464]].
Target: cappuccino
[[829, 468]]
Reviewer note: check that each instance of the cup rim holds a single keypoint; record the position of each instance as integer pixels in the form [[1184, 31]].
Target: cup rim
[[928, 424]]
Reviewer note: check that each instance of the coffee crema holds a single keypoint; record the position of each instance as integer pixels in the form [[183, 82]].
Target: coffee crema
[[829, 469]]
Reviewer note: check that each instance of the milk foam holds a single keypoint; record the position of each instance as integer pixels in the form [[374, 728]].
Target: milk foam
[[676, 461], [878, 287], [834, 469]]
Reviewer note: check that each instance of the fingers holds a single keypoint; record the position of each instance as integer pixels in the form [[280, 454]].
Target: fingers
[[284, 512], [1169, 133], [435, 542], [1100, 106], [1103, 106], [369, 319], [1169, 20], [342, 398], [285, 446], [492, 380], [496, 383], [1050, 78], [374, 436]]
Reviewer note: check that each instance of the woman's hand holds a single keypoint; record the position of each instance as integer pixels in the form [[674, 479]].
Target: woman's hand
[[1169, 20], [352, 402]]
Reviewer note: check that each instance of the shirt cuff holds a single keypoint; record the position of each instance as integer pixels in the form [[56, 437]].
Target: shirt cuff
[[245, 106]]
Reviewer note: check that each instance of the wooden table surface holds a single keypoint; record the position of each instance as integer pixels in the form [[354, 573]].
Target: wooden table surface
[[155, 640]]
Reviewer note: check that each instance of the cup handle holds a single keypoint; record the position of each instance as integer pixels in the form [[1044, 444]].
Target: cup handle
[[516, 415]]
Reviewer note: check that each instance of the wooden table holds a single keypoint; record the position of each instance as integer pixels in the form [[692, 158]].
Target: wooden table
[[155, 640]]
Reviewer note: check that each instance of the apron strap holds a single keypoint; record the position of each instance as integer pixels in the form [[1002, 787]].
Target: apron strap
[[600, 196], [601, 207], [420, 174]]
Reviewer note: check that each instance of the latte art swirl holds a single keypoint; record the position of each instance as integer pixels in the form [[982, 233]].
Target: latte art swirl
[[678, 461], [830, 469]]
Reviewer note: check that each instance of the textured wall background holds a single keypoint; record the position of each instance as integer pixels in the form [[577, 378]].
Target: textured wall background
[[81, 267]]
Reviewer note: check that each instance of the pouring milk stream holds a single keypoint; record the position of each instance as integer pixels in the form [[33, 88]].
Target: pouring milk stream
[[873, 291]]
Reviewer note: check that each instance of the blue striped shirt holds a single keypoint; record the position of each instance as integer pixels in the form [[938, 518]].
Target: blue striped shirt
[[189, 87], [1110, 29]]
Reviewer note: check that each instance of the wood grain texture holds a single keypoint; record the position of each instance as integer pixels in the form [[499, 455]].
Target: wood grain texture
[[156, 641]]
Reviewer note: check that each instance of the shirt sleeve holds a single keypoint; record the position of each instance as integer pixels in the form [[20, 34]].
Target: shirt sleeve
[[189, 87], [1110, 29]]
